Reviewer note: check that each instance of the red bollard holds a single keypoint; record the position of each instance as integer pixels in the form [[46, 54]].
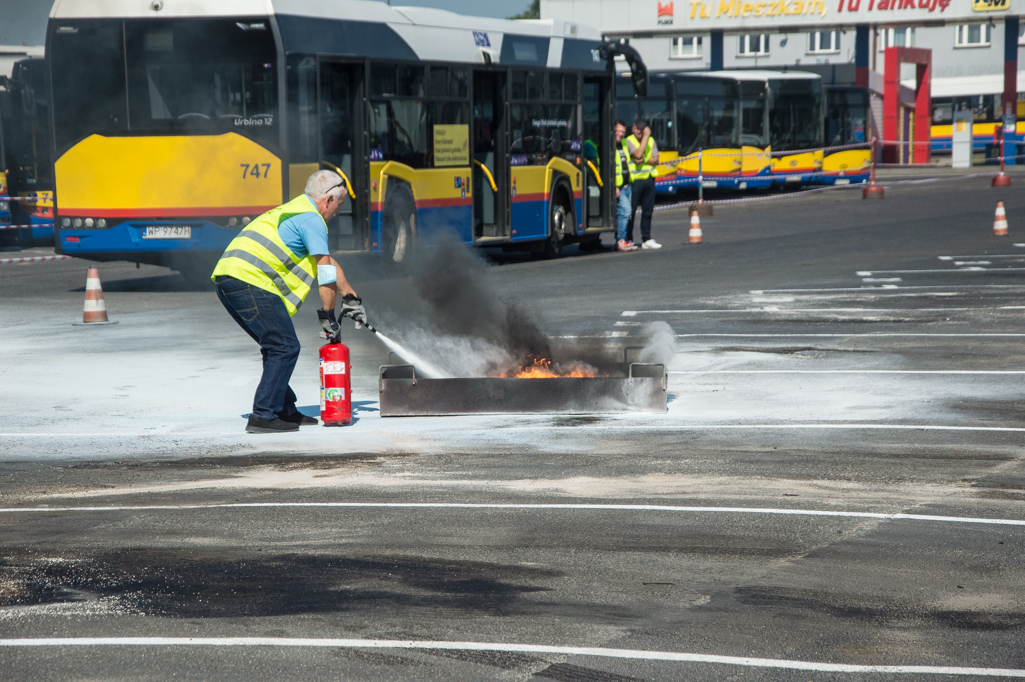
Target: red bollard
[[873, 191], [1001, 180], [335, 385]]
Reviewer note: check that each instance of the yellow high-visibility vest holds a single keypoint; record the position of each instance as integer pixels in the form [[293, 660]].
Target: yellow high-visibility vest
[[621, 156], [258, 256], [644, 170]]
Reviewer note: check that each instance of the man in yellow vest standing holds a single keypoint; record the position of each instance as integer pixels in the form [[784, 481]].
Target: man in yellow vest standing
[[624, 203], [644, 157], [263, 277]]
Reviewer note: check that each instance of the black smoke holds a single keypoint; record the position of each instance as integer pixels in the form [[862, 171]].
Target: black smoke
[[460, 300]]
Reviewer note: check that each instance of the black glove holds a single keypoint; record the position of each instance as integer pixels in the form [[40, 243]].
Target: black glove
[[352, 307], [332, 332]]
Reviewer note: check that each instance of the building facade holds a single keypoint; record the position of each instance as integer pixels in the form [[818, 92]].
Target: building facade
[[970, 55]]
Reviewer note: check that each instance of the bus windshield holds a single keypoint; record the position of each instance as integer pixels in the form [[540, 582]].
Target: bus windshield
[[199, 76], [656, 108], [794, 119], [846, 116], [706, 114]]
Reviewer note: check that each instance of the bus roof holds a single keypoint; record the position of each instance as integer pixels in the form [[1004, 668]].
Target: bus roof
[[402, 32]]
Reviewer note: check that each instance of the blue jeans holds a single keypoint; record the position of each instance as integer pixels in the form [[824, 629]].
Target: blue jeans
[[264, 317], [624, 211]]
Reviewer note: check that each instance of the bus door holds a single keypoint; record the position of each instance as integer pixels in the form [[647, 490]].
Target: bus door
[[598, 156], [342, 148], [490, 157]]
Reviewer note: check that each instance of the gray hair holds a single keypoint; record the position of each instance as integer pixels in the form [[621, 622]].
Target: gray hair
[[324, 181]]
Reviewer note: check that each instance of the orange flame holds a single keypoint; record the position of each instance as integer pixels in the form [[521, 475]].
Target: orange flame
[[542, 369]]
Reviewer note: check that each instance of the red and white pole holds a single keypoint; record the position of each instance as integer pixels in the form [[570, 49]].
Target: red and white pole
[[873, 191]]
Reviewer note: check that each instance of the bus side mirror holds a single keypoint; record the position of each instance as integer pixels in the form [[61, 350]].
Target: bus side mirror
[[638, 71]]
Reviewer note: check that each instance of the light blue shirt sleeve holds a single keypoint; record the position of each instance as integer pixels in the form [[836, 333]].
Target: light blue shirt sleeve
[[305, 234]]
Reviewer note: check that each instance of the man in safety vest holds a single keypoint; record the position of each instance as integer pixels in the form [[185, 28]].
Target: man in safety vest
[[644, 159], [263, 277], [624, 205]]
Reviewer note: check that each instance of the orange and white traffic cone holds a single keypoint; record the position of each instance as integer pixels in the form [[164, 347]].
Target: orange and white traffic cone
[[95, 309], [1000, 221], [695, 228]]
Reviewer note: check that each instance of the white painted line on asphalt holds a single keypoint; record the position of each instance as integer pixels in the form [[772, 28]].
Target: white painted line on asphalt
[[799, 335], [985, 255], [522, 506], [829, 426], [961, 263], [848, 371], [870, 273], [842, 426], [775, 309], [421, 645], [880, 280], [869, 290]]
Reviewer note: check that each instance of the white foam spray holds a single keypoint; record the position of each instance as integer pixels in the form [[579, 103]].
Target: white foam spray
[[424, 367], [661, 345]]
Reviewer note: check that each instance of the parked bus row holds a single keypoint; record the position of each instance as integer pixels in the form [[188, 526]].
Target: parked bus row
[[751, 129], [26, 166]]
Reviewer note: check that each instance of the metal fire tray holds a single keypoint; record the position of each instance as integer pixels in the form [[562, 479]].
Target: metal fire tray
[[403, 394]]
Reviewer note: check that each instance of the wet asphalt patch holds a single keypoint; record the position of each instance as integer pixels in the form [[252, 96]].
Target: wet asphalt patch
[[191, 584], [874, 610]]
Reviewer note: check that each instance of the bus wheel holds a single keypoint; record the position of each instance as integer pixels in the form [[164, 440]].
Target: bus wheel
[[558, 216], [399, 225]]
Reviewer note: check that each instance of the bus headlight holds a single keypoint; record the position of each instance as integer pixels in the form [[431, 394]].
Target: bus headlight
[[245, 220], [101, 223], [65, 222], [77, 222], [88, 222], [232, 221], [5, 206]]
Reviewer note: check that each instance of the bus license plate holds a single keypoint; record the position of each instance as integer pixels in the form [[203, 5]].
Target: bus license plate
[[167, 232]]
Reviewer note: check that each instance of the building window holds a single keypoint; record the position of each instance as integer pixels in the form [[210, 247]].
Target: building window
[[753, 44], [685, 48], [971, 35], [896, 37], [1021, 34], [824, 42]]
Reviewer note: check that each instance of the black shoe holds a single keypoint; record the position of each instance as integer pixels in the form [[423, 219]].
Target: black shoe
[[299, 418], [257, 425]]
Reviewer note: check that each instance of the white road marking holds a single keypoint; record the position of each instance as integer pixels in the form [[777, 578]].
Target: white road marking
[[521, 506], [870, 273], [848, 371], [801, 310], [420, 645], [892, 286], [855, 426], [879, 280], [863, 334], [961, 263], [987, 255]]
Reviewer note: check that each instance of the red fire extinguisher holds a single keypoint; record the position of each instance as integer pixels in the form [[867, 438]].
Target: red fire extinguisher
[[335, 385]]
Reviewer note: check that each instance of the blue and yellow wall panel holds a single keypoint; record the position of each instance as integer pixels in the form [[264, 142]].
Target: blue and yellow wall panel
[[982, 135]]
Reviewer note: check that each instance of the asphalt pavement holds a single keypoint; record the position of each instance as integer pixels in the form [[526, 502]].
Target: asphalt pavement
[[835, 493]]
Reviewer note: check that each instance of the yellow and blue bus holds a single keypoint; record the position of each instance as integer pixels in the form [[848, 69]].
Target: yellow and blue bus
[[25, 150], [753, 129], [180, 123], [721, 114]]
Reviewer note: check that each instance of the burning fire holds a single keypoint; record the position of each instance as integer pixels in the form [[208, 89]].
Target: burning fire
[[542, 369]]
